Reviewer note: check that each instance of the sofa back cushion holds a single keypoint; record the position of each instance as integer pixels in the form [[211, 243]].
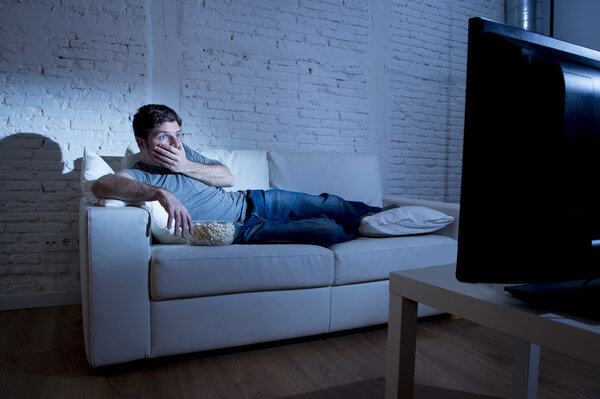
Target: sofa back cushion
[[354, 177], [249, 167]]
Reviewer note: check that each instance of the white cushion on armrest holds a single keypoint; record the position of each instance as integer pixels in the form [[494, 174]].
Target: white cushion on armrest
[[94, 167]]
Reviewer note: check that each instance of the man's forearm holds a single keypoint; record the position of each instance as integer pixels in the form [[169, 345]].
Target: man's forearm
[[174, 158], [121, 186], [216, 175], [116, 186]]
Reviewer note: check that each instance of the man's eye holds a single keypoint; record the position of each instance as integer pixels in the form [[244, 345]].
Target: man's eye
[[162, 137]]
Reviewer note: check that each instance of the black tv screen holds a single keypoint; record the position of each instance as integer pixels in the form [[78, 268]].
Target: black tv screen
[[530, 203]]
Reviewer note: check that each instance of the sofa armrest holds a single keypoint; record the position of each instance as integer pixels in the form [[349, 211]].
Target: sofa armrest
[[114, 266], [449, 208]]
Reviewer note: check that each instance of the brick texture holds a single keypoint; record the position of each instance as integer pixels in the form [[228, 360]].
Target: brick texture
[[353, 76]]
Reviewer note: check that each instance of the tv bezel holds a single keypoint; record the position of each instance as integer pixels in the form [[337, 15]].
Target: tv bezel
[[478, 260]]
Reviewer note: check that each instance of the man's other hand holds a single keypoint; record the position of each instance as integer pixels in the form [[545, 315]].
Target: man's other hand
[[171, 157]]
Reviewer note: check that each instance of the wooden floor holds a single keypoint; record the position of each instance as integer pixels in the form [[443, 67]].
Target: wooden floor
[[42, 356]]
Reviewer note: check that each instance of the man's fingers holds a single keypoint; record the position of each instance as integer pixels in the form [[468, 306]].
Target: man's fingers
[[177, 226], [163, 158], [171, 157], [173, 219], [182, 224], [183, 221], [166, 152], [176, 213], [186, 224], [164, 149], [163, 153]]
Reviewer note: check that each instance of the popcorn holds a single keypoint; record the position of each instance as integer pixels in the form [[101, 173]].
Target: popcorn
[[212, 233]]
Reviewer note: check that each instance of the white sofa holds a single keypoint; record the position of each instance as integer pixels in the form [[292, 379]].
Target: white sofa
[[142, 299]]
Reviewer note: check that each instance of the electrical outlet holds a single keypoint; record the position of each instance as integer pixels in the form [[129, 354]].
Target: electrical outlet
[[59, 242], [50, 243], [66, 243]]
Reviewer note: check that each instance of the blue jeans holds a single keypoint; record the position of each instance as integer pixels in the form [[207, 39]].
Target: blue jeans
[[279, 216]]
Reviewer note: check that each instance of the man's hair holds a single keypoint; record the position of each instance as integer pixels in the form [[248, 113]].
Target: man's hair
[[151, 115]]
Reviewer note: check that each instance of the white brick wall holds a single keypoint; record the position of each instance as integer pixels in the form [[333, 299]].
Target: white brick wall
[[283, 75], [425, 70], [380, 76], [69, 76]]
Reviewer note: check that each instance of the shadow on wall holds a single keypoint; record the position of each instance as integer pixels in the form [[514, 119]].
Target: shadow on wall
[[37, 202]]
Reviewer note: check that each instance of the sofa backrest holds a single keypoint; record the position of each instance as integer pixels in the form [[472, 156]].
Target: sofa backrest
[[249, 167], [354, 177]]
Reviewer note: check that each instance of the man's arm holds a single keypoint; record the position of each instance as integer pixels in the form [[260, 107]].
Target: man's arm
[[123, 187], [173, 158]]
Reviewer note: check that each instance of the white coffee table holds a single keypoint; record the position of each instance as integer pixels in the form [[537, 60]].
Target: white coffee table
[[485, 304]]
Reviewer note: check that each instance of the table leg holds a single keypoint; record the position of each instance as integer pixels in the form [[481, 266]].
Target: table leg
[[525, 377], [401, 341]]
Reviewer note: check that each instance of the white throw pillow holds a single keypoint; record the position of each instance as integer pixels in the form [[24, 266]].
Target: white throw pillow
[[94, 167], [158, 224], [404, 220]]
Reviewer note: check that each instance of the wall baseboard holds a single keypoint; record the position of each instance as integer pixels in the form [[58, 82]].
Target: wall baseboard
[[13, 302]]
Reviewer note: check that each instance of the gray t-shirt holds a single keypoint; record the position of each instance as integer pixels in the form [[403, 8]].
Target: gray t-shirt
[[202, 201]]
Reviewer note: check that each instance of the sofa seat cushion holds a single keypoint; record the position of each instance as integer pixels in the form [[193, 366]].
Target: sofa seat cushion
[[182, 271], [370, 259]]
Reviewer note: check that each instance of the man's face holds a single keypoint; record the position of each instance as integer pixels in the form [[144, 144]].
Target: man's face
[[166, 135]]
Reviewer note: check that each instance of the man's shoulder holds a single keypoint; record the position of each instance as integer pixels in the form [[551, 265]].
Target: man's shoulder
[[190, 153]]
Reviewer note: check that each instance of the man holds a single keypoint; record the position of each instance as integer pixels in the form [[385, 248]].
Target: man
[[189, 186]]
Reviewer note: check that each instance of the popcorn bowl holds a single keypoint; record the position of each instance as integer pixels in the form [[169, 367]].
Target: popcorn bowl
[[213, 232]]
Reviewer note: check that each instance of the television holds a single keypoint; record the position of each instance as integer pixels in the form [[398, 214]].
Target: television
[[530, 188]]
